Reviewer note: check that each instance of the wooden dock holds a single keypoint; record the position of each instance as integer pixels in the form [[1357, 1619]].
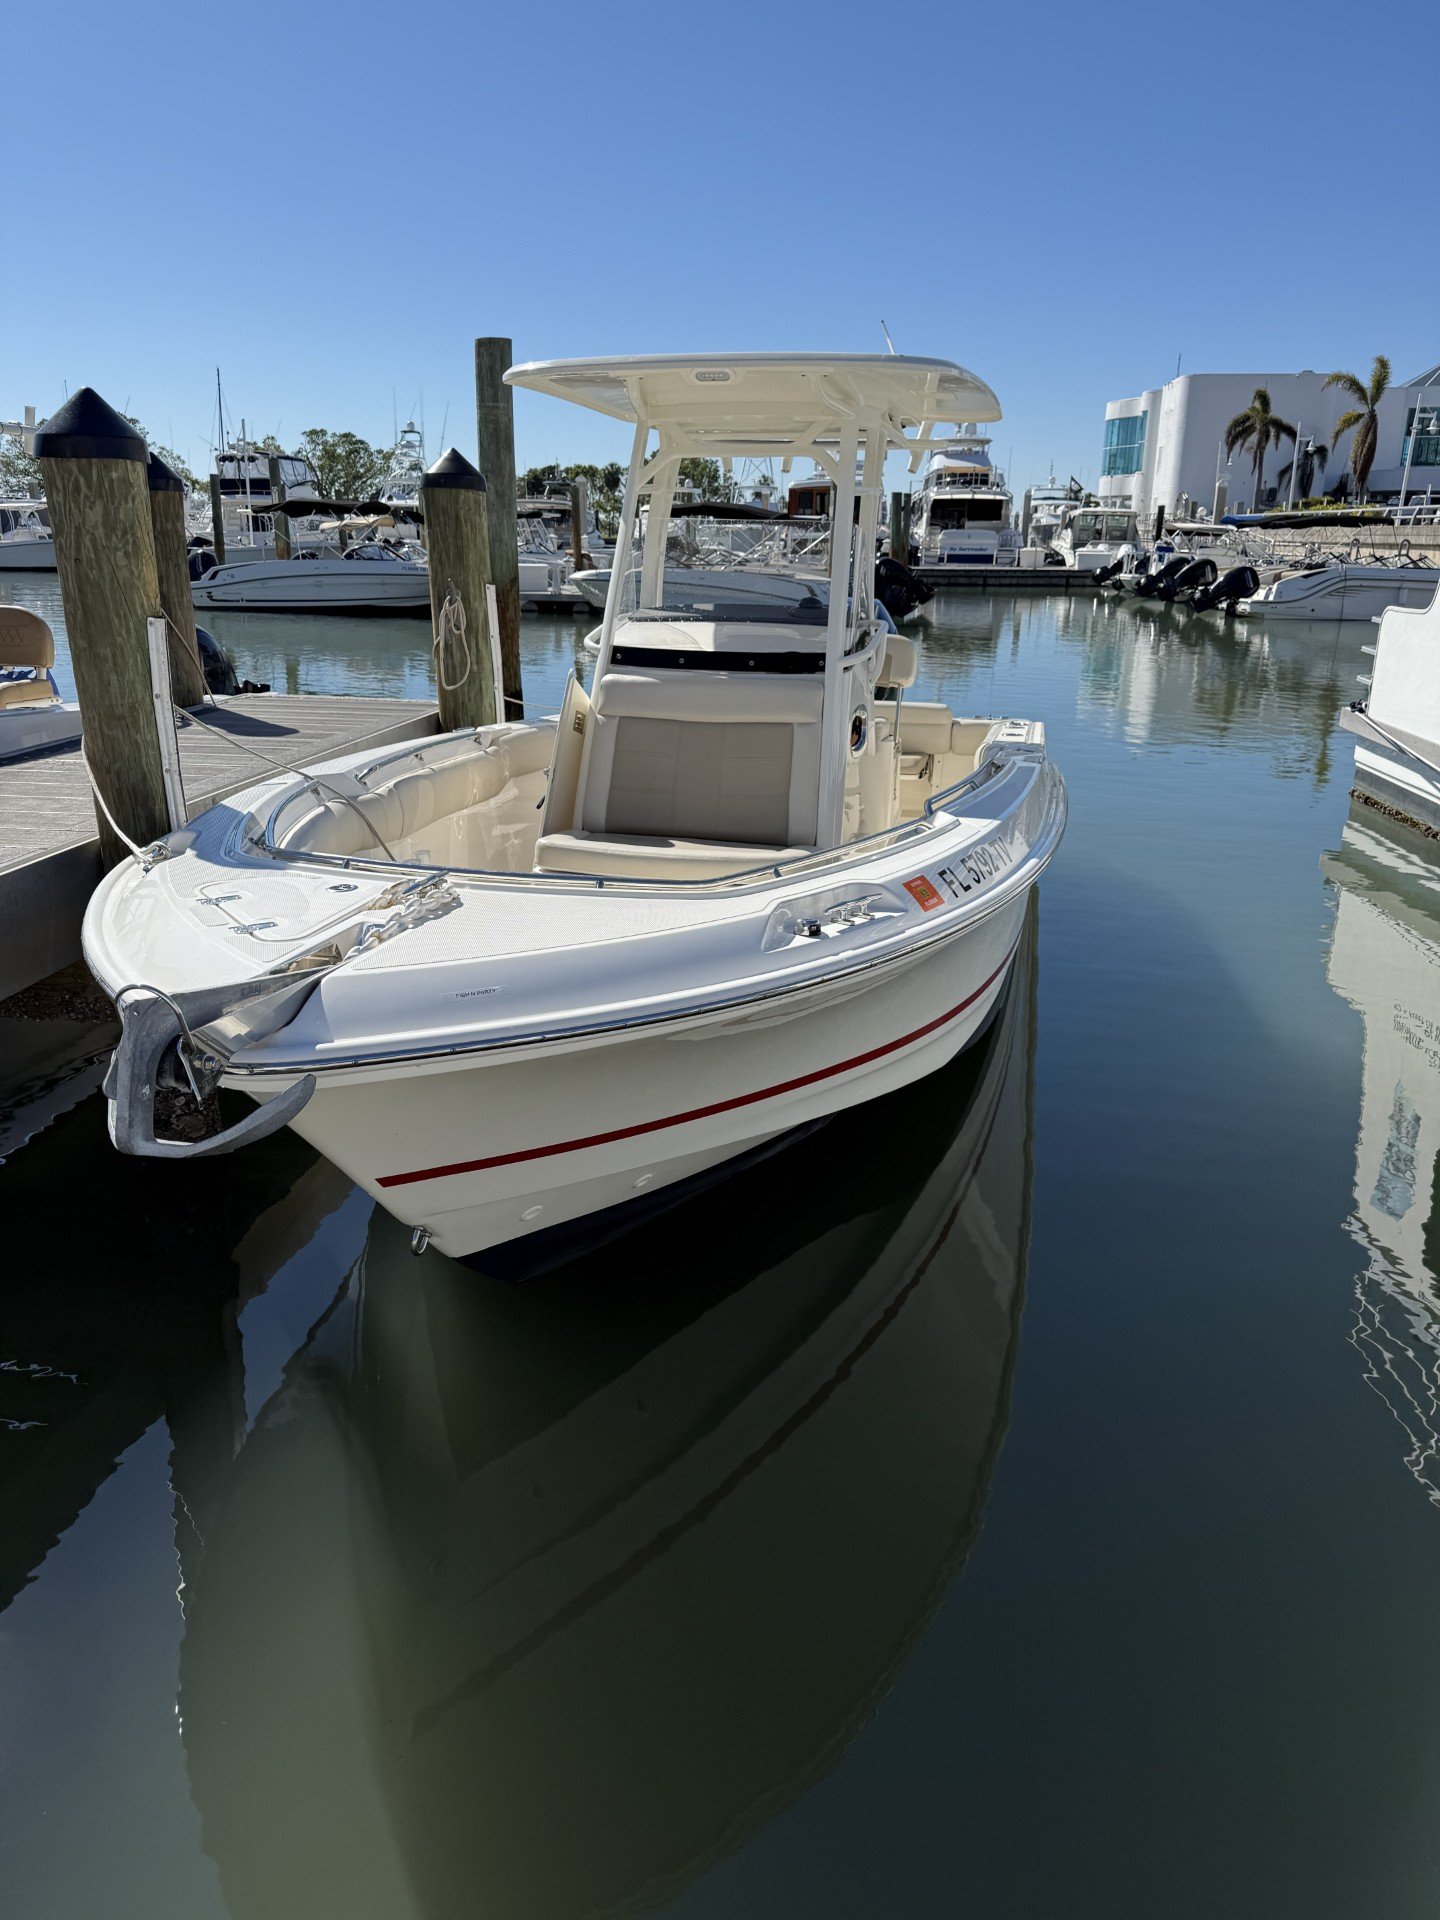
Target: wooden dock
[[49, 853], [1001, 579]]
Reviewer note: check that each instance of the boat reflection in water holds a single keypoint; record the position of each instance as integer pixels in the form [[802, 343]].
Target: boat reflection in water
[[539, 1600], [1385, 960]]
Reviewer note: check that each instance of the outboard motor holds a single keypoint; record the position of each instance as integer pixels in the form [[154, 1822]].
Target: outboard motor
[[200, 560], [1238, 584], [1189, 580], [219, 668], [897, 589], [1160, 585], [1104, 575]]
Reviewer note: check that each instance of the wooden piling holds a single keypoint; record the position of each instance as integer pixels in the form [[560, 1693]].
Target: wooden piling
[[453, 499], [495, 418], [217, 519], [578, 556], [900, 528], [172, 571], [93, 464], [278, 520]]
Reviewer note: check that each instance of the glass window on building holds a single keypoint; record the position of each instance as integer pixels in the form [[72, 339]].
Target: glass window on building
[[1125, 444], [1424, 424]]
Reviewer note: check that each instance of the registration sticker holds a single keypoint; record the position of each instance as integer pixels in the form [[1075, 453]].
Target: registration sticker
[[920, 889]]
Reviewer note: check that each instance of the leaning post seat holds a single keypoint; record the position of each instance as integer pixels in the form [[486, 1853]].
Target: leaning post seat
[[690, 776]]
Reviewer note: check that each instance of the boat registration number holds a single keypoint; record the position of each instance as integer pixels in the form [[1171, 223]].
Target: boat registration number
[[962, 877]]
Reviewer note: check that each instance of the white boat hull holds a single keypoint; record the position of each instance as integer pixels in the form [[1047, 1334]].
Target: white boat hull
[[481, 1149], [32, 729], [27, 556], [1342, 593], [315, 586]]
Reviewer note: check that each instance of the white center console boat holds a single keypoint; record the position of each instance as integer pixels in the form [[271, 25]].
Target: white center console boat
[[512, 978]]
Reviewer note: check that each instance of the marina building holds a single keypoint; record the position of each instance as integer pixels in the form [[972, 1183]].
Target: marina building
[[1165, 447]]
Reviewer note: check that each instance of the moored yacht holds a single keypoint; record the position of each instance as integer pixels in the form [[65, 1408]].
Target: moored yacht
[[961, 512], [1093, 537], [375, 573], [513, 978]]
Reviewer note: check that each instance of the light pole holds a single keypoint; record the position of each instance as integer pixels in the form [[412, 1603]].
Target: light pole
[[1411, 438]]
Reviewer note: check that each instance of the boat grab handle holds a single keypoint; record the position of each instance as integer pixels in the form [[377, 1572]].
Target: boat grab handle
[[151, 1022]]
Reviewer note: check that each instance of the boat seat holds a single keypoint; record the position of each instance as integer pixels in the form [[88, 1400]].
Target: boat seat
[[901, 663], [633, 856], [26, 643], [719, 758], [936, 751]]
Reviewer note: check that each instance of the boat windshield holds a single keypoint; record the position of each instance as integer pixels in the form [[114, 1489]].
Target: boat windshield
[[721, 569]]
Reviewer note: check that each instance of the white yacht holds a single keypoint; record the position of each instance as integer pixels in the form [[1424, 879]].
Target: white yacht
[[1397, 724], [1342, 590], [512, 978], [961, 513], [376, 573], [33, 716], [26, 542], [1094, 537], [1044, 509], [243, 473]]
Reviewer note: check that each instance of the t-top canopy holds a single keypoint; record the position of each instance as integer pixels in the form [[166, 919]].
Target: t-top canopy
[[763, 402]]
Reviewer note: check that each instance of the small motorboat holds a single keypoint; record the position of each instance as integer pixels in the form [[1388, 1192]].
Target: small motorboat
[[1342, 590], [32, 714], [373, 575], [26, 543], [512, 978], [1397, 724]]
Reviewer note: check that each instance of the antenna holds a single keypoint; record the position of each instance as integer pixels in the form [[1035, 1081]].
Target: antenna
[[890, 344]]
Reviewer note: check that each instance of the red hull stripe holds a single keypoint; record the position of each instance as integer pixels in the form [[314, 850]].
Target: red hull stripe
[[699, 1113]]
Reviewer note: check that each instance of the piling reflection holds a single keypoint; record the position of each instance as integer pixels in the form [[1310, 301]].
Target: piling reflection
[[538, 1600], [1385, 960]]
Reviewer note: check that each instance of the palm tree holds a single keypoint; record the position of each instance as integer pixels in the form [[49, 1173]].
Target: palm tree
[[1311, 459], [1364, 416], [1259, 429]]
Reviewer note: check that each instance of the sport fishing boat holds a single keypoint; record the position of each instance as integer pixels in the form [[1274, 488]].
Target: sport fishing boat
[[512, 978], [26, 542]]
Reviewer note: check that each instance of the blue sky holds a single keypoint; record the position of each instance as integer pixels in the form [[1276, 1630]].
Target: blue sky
[[331, 202]]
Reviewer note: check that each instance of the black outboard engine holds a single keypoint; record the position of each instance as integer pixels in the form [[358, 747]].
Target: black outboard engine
[[219, 668], [200, 560], [1104, 575], [1191, 579], [1238, 584], [1160, 585], [897, 589]]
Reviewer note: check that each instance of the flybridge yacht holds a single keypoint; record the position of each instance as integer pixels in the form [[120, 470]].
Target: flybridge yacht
[[513, 978], [961, 514]]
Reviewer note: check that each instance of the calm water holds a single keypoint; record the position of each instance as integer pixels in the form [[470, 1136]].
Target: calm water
[[1018, 1501]]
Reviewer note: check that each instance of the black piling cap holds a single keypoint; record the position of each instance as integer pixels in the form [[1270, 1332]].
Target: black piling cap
[[452, 469], [162, 479], [86, 428]]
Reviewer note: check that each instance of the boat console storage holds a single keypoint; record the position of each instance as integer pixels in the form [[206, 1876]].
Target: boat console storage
[[510, 978]]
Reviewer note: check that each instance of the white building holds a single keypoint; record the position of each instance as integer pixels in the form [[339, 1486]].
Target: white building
[[1165, 447]]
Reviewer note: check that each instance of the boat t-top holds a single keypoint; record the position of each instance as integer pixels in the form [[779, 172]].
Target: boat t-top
[[514, 978], [962, 508], [26, 542]]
